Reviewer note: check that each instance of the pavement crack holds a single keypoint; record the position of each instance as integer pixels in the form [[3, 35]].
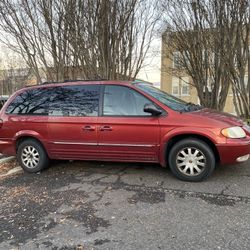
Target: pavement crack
[[220, 199], [225, 189]]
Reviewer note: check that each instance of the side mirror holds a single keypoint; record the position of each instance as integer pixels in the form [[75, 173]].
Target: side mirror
[[152, 109]]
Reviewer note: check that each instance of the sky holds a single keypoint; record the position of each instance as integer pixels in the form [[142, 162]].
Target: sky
[[151, 71]]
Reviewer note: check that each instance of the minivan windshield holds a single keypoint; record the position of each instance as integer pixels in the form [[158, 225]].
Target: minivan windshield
[[167, 99]]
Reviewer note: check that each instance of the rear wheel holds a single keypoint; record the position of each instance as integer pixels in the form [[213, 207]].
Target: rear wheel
[[191, 160], [32, 156]]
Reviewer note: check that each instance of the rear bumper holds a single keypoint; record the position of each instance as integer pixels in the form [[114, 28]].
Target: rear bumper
[[233, 149], [7, 147]]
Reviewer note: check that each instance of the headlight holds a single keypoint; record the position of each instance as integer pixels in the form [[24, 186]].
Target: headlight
[[233, 132]]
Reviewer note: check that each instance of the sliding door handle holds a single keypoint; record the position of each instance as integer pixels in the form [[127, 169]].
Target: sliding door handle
[[89, 128], [106, 128]]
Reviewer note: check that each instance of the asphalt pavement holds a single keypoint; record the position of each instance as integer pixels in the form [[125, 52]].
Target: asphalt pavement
[[93, 205]]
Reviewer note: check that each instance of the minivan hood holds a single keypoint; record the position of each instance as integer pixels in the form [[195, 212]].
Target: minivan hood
[[228, 119]]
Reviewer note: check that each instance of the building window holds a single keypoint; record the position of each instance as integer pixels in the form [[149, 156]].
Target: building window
[[175, 86], [176, 60], [186, 60], [185, 87]]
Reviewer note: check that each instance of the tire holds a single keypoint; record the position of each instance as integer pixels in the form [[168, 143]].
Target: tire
[[191, 160], [31, 156]]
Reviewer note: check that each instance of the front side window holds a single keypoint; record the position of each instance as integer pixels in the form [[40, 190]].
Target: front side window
[[30, 102], [82, 100], [123, 101]]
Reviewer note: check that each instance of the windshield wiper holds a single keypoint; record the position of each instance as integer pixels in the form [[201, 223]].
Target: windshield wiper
[[191, 107]]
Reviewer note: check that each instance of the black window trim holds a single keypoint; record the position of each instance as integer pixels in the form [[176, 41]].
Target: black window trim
[[100, 106]]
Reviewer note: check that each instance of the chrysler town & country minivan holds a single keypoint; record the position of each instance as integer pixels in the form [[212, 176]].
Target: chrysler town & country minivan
[[119, 121]]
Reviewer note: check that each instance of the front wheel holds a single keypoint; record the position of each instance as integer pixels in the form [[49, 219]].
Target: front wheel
[[191, 160], [32, 156]]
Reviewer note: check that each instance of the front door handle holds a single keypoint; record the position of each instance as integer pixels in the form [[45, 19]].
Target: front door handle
[[106, 128], [89, 128]]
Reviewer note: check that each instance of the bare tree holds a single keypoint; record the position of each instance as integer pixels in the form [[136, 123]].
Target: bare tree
[[198, 30], [14, 73], [238, 60], [91, 38], [36, 30]]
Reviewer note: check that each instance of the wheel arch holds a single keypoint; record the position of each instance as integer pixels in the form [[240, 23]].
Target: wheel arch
[[22, 136], [176, 138], [29, 164]]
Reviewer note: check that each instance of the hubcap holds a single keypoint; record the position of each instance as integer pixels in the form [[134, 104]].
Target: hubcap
[[30, 157], [191, 161]]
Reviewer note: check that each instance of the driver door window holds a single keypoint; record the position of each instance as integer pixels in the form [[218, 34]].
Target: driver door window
[[123, 101]]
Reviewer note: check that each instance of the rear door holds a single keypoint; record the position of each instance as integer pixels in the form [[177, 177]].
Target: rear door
[[72, 121], [125, 131]]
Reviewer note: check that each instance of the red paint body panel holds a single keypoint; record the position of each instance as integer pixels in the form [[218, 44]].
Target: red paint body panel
[[67, 138], [7, 147], [135, 138], [141, 139]]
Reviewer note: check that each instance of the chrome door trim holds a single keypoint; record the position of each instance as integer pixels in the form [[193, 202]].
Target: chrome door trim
[[126, 145], [76, 143], [104, 144]]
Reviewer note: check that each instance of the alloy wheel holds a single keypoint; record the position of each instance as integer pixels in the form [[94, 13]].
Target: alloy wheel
[[190, 161], [30, 157]]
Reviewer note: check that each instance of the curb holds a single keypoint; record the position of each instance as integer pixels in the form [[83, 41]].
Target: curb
[[7, 159], [12, 171]]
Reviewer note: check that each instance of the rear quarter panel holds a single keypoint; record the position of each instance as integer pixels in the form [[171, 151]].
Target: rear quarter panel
[[17, 126]]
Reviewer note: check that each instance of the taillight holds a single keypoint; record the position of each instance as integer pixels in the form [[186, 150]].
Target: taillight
[[1, 123]]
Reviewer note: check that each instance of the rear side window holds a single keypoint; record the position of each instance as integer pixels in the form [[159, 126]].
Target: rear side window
[[82, 100], [31, 102]]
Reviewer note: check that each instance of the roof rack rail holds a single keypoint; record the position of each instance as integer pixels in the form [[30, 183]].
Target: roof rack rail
[[86, 80], [47, 83], [65, 81]]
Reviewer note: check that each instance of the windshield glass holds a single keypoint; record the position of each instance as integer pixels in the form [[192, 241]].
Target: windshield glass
[[167, 99]]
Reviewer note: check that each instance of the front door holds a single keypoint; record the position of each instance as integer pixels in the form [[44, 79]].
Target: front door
[[125, 131], [72, 122]]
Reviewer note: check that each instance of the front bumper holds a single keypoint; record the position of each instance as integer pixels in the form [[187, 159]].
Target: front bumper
[[233, 149]]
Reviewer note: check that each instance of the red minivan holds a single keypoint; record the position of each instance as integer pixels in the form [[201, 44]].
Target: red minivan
[[119, 121]]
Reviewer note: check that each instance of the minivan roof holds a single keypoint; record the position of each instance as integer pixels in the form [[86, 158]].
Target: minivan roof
[[78, 82]]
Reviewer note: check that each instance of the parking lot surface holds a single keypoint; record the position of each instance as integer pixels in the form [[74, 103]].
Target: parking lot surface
[[93, 205]]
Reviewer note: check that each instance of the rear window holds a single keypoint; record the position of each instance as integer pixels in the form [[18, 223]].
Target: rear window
[[31, 102], [80, 100]]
